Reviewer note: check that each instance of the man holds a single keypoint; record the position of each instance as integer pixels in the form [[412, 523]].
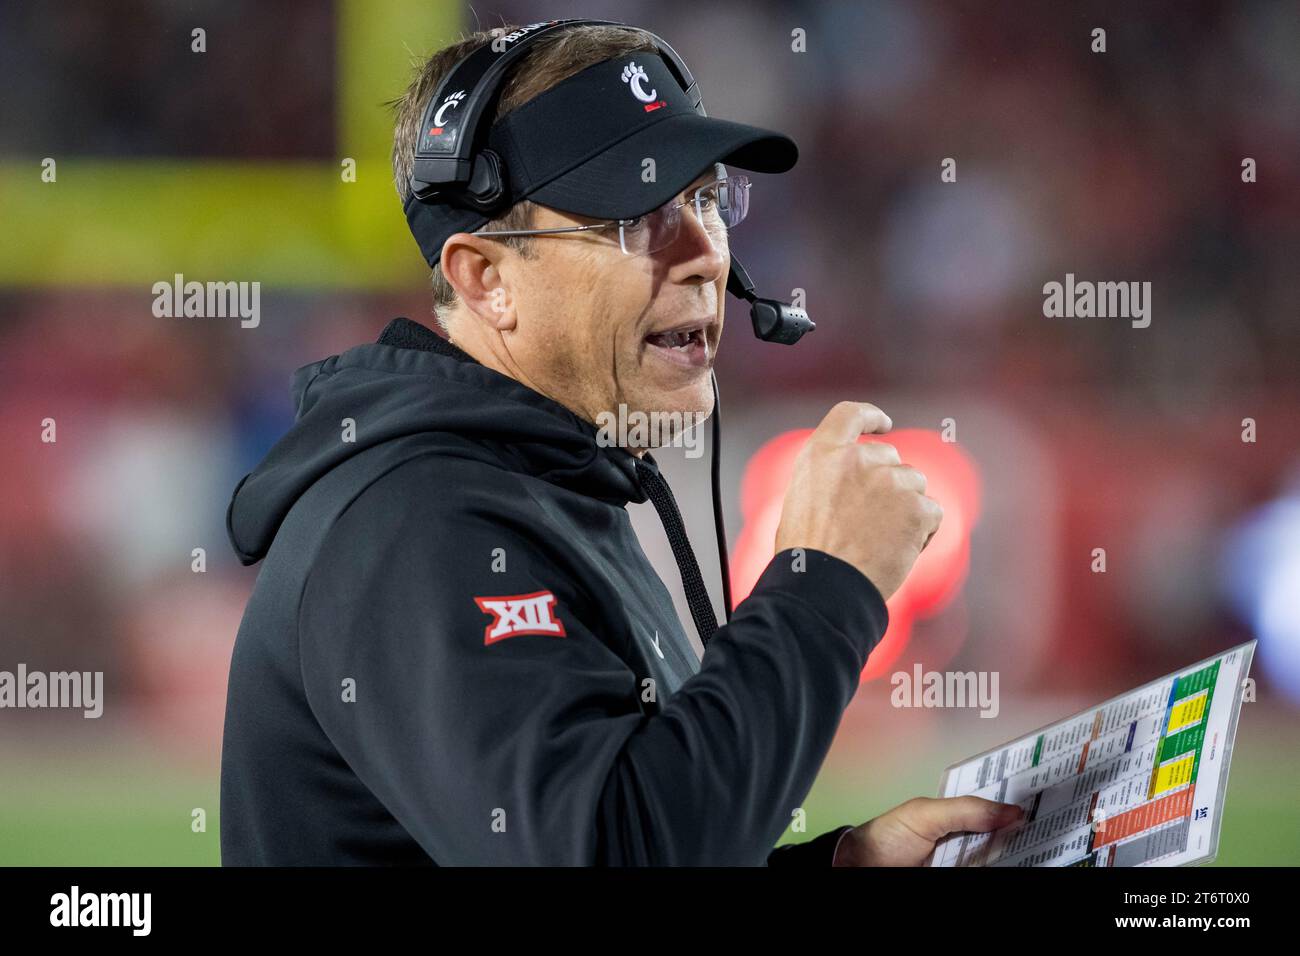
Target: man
[[456, 651]]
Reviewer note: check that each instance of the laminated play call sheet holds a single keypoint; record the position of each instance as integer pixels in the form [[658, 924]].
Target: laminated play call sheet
[[1136, 781]]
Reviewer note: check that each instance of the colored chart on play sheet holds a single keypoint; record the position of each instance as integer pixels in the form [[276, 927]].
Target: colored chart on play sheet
[[1136, 781]]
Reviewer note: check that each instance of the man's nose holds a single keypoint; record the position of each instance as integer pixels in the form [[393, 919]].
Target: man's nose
[[695, 254]]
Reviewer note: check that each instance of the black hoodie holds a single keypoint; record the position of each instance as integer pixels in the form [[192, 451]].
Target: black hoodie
[[456, 651]]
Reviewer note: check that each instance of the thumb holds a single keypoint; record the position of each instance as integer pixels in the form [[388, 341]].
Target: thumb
[[936, 817]]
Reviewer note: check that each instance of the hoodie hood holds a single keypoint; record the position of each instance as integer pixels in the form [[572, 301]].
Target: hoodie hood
[[409, 381]]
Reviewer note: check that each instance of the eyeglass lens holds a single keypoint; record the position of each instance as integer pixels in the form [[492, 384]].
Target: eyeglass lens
[[718, 206]]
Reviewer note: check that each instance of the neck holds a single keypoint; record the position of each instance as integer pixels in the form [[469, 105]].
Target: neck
[[499, 360]]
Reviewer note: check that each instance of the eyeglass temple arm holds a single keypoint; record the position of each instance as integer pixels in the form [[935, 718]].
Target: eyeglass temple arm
[[539, 232]]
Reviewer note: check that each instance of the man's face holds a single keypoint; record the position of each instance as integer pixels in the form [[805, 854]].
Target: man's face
[[589, 318]]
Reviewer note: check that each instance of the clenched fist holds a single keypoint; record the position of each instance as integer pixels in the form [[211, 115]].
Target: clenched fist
[[857, 500]]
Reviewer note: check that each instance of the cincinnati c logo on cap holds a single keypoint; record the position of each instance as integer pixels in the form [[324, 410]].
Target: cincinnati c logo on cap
[[634, 76], [515, 614]]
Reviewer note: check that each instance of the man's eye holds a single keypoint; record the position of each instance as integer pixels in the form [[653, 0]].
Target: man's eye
[[707, 197]]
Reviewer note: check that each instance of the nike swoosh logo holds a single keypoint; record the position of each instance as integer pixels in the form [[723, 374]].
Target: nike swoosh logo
[[655, 642]]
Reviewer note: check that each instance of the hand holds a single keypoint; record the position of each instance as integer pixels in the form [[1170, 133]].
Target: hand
[[905, 835], [856, 500]]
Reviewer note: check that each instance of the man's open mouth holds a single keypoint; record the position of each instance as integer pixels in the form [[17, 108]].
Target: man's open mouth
[[681, 346]]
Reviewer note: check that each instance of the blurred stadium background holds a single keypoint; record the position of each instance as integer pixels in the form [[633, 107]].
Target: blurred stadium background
[[1079, 434]]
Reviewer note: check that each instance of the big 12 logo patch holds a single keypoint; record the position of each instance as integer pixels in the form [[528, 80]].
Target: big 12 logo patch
[[516, 614]]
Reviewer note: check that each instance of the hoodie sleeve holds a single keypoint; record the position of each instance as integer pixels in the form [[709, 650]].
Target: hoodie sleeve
[[534, 748], [817, 852]]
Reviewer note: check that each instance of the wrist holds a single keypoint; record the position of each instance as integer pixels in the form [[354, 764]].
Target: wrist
[[843, 847]]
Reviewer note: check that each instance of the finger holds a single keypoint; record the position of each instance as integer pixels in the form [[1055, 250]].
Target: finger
[[878, 453], [847, 420], [934, 517], [934, 818], [908, 477]]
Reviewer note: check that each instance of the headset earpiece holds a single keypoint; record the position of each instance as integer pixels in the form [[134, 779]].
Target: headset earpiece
[[486, 189]]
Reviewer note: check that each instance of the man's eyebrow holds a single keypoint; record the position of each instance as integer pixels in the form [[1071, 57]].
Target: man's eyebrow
[[703, 179]]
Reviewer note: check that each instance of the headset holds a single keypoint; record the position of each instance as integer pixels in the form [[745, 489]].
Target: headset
[[457, 168]]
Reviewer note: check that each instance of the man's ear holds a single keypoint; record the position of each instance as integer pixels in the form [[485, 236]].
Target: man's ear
[[472, 265]]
